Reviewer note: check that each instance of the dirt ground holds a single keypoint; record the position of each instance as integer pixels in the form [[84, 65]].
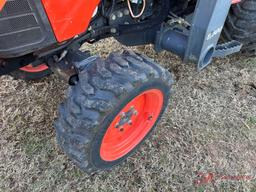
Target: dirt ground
[[209, 129]]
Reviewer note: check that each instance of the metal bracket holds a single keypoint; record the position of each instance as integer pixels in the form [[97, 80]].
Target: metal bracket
[[71, 64], [198, 44], [208, 21], [223, 50]]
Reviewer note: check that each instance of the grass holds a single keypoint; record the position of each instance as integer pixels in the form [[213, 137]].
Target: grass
[[252, 120], [209, 127], [33, 145]]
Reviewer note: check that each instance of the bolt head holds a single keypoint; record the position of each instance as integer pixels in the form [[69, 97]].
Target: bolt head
[[130, 122], [120, 14], [126, 12], [113, 17], [122, 115], [134, 111], [113, 30]]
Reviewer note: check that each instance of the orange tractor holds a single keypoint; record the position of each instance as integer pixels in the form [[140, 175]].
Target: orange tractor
[[114, 104]]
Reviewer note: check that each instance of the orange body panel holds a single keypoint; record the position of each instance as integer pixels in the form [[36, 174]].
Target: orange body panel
[[68, 17], [236, 1], [2, 3]]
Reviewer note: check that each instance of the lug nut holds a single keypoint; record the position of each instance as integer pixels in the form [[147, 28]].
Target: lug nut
[[122, 115], [130, 122], [134, 111]]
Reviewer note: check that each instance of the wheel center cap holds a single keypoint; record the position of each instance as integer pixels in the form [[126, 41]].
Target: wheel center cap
[[126, 118]]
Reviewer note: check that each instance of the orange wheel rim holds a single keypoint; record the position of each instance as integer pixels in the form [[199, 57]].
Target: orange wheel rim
[[131, 125], [32, 69]]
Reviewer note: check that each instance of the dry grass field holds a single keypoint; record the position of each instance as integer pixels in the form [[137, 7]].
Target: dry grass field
[[210, 127]]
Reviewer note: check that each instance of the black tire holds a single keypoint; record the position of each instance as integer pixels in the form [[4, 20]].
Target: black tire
[[29, 76], [104, 88], [241, 25]]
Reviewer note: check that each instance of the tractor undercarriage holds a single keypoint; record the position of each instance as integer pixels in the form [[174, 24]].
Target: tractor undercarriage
[[166, 24], [113, 104]]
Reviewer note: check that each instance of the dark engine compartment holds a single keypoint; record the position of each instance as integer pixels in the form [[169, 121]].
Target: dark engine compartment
[[25, 28], [26, 35], [133, 31]]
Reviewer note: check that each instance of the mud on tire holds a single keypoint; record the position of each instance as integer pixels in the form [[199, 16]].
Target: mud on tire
[[101, 92]]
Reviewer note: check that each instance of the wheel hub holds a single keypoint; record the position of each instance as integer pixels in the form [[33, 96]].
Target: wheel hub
[[34, 69], [131, 125], [126, 118]]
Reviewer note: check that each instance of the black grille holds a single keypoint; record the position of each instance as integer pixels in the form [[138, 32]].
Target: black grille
[[25, 22], [21, 26], [15, 7]]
